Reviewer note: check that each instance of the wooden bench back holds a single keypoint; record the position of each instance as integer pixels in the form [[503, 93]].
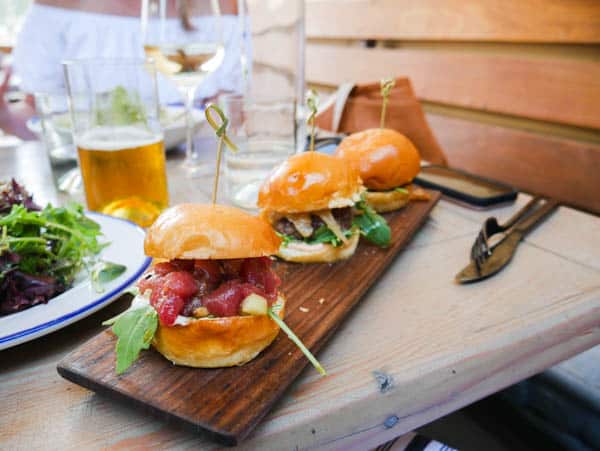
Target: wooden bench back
[[511, 87]]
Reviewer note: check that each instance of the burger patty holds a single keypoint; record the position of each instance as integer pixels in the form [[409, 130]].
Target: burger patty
[[343, 217]]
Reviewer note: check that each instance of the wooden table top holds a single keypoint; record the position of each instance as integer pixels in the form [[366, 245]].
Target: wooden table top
[[417, 346]]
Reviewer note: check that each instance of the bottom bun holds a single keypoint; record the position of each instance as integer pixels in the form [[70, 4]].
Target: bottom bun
[[218, 342], [384, 201], [300, 252]]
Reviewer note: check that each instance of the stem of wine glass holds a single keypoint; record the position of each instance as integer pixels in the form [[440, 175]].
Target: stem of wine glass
[[192, 157]]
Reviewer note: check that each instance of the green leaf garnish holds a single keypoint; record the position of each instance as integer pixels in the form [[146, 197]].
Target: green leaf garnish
[[292, 336], [324, 235], [57, 241], [119, 107], [372, 226], [285, 239], [135, 330], [104, 272], [401, 190]]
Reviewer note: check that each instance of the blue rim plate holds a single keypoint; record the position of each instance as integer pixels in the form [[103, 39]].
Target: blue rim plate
[[127, 248]]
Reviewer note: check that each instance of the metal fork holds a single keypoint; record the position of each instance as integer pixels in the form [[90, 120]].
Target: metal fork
[[480, 250]]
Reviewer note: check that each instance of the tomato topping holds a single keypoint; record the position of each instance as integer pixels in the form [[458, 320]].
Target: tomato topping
[[226, 300], [232, 267], [180, 283], [180, 286], [183, 265], [208, 270], [258, 272], [149, 281], [168, 308], [164, 268]]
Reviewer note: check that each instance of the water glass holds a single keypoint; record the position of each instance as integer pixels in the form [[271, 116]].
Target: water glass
[[115, 114], [265, 133], [57, 137]]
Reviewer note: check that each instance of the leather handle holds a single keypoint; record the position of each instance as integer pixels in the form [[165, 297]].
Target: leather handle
[[528, 224]]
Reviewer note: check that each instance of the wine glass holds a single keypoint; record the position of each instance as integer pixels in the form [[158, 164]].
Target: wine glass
[[184, 37]]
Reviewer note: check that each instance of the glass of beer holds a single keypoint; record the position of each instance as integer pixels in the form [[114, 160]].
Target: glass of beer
[[116, 128]]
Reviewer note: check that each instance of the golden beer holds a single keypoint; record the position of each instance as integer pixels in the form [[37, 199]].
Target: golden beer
[[123, 171]]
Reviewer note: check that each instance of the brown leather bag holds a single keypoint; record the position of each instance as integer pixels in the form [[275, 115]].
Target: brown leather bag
[[358, 107]]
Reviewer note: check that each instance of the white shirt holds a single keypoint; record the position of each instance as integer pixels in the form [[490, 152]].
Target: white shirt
[[50, 35]]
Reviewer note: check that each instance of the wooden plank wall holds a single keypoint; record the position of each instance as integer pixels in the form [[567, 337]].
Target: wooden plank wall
[[511, 87]]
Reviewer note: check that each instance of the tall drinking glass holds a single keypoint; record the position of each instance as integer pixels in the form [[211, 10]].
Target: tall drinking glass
[[184, 37], [264, 131], [115, 114]]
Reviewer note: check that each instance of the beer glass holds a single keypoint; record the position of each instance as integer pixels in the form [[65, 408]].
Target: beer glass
[[115, 115]]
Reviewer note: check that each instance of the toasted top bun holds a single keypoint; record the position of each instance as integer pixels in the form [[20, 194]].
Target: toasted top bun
[[310, 181], [196, 231], [385, 158], [217, 342]]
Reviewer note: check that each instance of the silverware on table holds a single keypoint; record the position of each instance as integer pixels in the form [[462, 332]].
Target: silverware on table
[[487, 261]]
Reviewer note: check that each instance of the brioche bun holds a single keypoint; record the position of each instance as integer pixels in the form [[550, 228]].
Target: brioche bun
[[384, 201], [310, 181], [385, 158], [195, 231], [300, 252], [217, 342]]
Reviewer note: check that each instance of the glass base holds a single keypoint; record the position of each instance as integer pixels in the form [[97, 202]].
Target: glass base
[[196, 168]]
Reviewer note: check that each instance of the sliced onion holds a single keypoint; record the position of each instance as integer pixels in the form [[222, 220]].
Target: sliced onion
[[302, 222], [330, 221]]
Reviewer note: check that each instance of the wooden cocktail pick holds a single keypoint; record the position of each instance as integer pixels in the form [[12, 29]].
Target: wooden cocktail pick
[[221, 132], [386, 86], [313, 102]]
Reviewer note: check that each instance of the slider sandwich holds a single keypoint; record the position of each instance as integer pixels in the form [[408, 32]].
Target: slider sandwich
[[311, 201], [211, 299], [387, 162]]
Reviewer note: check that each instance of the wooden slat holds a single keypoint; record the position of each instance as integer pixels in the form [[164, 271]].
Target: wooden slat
[[556, 90], [551, 21], [565, 169]]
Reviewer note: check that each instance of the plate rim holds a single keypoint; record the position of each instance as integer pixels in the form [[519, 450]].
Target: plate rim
[[106, 297]]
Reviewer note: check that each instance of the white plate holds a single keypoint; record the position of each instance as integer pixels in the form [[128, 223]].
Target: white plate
[[126, 248], [172, 118]]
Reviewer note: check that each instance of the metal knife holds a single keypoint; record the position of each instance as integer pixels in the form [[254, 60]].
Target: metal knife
[[502, 252]]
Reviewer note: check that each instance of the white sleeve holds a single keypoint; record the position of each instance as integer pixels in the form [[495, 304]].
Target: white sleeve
[[38, 51]]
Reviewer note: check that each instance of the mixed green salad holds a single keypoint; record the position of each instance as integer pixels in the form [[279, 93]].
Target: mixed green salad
[[42, 250]]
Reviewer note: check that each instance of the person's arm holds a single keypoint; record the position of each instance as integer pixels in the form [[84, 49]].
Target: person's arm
[[14, 115]]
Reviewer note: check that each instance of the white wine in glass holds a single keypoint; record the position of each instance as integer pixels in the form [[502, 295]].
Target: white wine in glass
[[186, 65], [184, 39]]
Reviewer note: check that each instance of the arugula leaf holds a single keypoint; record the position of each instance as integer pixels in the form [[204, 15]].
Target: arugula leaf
[[104, 272], [372, 226], [322, 235], [54, 242], [135, 330], [273, 313], [285, 239]]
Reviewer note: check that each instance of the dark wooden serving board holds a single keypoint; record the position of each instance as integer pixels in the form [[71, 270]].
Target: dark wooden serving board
[[228, 403]]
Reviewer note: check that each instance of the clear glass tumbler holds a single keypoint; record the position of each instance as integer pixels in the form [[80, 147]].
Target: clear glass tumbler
[[115, 115], [55, 122], [265, 133]]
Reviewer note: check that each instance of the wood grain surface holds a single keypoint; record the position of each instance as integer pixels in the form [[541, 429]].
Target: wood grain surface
[[564, 91], [229, 403], [442, 346], [561, 168], [548, 21]]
